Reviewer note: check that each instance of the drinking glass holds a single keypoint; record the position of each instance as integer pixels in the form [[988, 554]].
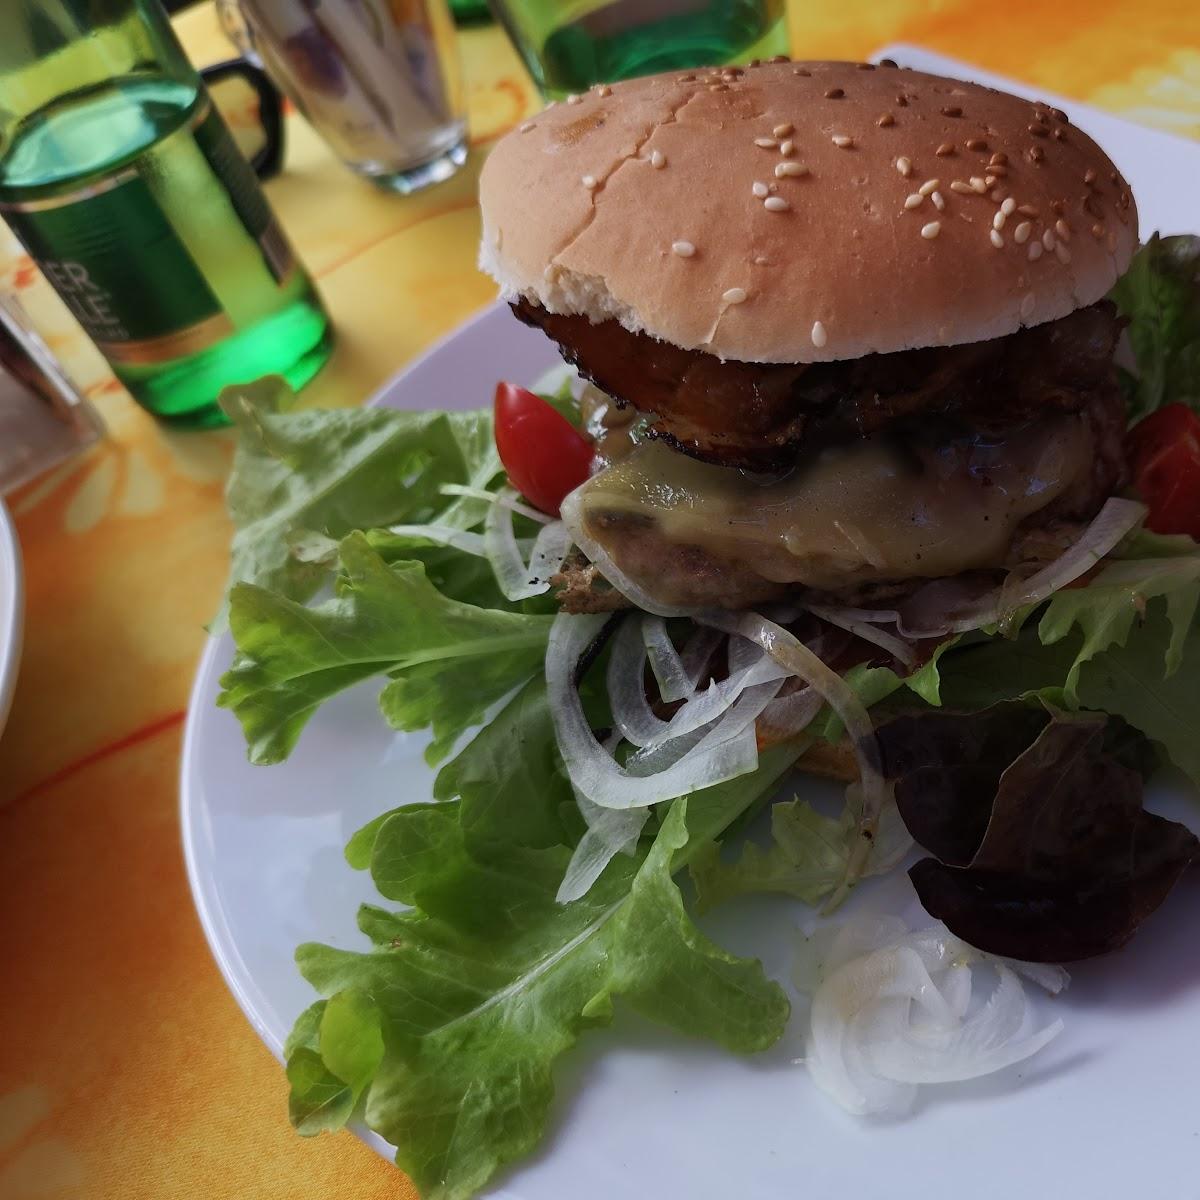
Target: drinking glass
[[379, 80], [568, 45]]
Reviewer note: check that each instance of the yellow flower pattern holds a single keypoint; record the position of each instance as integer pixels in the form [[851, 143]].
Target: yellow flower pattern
[[126, 1071]]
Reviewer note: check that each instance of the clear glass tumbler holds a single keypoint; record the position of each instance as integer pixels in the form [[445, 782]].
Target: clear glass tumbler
[[379, 80]]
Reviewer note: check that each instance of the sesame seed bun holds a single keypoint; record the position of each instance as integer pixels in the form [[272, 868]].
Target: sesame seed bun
[[788, 212]]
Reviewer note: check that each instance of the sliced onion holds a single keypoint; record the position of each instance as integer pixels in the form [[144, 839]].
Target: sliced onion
[[609, 832], [947, 606], [792, 654], [674, 680], [505, 498], [572, 516], [631, 711], [443, 535], [891, 1010], [697, 653], [517, 578], [899, 649], [789, 715], [724, 752]]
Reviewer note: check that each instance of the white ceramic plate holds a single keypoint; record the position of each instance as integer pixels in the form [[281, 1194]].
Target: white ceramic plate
[[1108, 1110], [12, 611]]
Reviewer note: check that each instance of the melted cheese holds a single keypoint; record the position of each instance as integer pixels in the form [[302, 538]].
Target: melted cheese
[[854, 513]]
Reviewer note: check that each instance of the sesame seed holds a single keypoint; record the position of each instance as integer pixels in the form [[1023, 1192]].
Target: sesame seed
[[999, 219], [904, 166], [766, 143], [685, 79], [588, 181], [760, 189], [781, 131], [989, 180], [1027, 210], [1059, 136], [683, 249], [999, 159], [776, 204], [527, 127], [1037, 153], [734, 295], [977, 185], [1049, 240], [834, 93], [945, 150], [885, 120], [1022, 232], [930, 231], [902, 100], [963, 189], [1063, 230], [995, 195], [914, 201], [938, 201], [976, 144], [1091, 207], [788, 148], [1097, 231], [1035, 251], [1027, 302], [930, 185], [952, 110], [574, 99], [794, 169], [1111, 242], [1062, 116], [603, 90], [801, 71], [1063, 254], [1057, 207], [997, 239], [1008, 207], [818, 335], [762, 261], [1089, 176], [865, 66], [779, 58], [718, 87], [658, 159], [843, 141], [997, 170]]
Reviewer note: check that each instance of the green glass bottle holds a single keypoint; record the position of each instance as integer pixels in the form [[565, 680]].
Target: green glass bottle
[[122, 181]]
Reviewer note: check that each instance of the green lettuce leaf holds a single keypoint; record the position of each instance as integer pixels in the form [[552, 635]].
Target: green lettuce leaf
[[447, 661], [482, 988], [1160, 296], [328, 472], [807, 857], [1149, 565]]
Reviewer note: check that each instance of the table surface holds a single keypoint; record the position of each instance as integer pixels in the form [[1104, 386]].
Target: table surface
[[126, 1070]]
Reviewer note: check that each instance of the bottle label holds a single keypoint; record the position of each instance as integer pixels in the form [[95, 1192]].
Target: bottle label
[[112, 253]]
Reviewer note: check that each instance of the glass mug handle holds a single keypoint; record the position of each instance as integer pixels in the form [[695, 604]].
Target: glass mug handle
[[269, 160]]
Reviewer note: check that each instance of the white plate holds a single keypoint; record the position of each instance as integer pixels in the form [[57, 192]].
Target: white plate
[[1106, 1111], [12, 611]]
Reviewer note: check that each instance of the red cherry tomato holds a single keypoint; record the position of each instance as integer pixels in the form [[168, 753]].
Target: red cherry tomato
[[544, 454], [1164, 453]]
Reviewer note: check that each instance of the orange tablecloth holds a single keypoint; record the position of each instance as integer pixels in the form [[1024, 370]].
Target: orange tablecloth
[[126, 1070]]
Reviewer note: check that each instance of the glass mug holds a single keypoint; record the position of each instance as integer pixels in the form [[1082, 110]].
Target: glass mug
[[379, 80], [568, 45]]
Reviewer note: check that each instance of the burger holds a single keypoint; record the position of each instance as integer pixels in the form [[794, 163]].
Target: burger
[[844, 329]]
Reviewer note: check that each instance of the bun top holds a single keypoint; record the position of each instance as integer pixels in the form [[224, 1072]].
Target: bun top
[[805, 211]]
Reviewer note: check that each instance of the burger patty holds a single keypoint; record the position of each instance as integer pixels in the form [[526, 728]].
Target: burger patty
[[849, 522], [756, 416]]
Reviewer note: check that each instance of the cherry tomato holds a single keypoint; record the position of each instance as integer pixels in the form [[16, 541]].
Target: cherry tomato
[[544, 454], [1164, 453]]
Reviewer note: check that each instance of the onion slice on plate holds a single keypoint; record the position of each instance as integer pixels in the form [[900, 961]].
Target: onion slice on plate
[[725, 750], [797, 659], [845, 619], [892, 1009], [517, 578], [609, 832]]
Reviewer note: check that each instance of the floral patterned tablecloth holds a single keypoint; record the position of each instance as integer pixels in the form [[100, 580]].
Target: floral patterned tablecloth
[[126, 1069]]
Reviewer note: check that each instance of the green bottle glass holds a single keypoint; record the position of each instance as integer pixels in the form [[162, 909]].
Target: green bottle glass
[[122, 181]]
